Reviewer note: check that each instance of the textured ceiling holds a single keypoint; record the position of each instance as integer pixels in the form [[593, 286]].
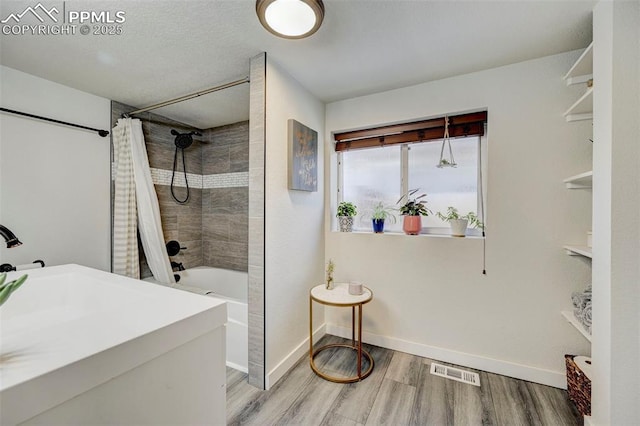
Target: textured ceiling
[[172, 48]]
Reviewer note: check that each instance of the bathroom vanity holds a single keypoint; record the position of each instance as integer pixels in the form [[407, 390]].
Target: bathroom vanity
[[82, 346]]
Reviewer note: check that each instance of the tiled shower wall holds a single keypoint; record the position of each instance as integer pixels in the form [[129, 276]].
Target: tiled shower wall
[[225, 216], [213, 224]]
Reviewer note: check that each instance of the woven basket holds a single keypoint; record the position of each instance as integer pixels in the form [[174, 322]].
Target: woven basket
[[578, 386]]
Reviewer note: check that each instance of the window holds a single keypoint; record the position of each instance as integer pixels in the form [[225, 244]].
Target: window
[[376, 168], [370, 176], [447, 186]]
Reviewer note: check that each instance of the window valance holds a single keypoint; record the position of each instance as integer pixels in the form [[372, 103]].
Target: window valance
[[471, 124]]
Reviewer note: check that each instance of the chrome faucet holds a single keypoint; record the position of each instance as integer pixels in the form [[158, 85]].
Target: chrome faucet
[[9, 237]]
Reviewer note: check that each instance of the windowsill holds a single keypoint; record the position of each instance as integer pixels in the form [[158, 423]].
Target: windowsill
[[402, 234]]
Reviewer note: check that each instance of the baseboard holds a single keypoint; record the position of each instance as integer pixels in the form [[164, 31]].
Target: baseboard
[[505, 368], [237, 367], [283, 366]]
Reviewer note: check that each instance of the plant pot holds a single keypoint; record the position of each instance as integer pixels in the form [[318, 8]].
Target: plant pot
[[346, 223], [412, 225], [378, 225], [458, 227]]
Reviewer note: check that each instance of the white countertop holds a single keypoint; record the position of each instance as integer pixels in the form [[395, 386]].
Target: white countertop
[[339, 295], [70, 328]]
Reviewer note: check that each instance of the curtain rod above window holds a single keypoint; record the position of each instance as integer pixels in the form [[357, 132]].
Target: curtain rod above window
[[460, 125]]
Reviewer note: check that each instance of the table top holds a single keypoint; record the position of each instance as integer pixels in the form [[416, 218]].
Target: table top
[[339, 295]]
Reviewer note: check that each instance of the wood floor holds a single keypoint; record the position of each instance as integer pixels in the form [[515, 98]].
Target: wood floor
[[399, 391]]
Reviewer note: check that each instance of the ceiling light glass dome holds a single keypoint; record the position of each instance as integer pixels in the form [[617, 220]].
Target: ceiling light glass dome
[[292, 19]]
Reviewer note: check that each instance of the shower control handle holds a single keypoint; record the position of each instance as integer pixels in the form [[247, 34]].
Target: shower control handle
[[174, 247]]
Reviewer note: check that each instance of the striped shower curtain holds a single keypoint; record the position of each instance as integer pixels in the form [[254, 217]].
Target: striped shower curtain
[[136, 207]]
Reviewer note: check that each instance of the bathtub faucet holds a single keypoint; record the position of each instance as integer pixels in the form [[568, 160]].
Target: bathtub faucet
[[9, 237], [175, 265]]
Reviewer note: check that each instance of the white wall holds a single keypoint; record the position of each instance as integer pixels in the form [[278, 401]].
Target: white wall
[[294, 226], [430, 297], [54, 179], [616, 222]]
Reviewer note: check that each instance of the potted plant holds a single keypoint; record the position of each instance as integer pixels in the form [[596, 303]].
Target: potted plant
[[378, 214], [346, 212], [330, 268], [413, 209], [459, 223]]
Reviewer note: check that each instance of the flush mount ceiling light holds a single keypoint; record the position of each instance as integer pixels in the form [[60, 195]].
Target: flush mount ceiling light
[[291, 19]]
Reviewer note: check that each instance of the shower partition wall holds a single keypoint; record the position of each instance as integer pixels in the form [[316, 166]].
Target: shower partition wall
[[213, 223]]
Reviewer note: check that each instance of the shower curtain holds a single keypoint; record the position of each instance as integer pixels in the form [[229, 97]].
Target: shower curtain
[[135, 195]]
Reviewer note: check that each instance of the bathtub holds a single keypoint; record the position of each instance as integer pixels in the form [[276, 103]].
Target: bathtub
[[232, 287]]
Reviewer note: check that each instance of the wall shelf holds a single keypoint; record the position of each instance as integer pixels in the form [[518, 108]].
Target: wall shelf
[[569, 316], [582, 109], [578, 251], [581, 181], [582, 69]]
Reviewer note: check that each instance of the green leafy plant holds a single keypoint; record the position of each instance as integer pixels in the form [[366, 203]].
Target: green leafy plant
[[474, 221], [6, 288], [348, 209], [453, 214], [446, 163], [413, 205], [380, 212]]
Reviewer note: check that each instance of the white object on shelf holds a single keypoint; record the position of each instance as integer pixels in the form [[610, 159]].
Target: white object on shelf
[[582, 69], [578, 251], [582, 109], [568, 315], [583, 180]]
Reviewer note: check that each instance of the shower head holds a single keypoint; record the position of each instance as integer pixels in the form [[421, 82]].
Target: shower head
[[184, 140]]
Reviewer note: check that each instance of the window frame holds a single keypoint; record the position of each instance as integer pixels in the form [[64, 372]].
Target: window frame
[[404, 181]]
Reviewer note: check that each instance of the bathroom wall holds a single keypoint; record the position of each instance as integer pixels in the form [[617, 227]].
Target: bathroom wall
[[54, 179], [213, 223], [294, 226], [430, 296], [616, 202]]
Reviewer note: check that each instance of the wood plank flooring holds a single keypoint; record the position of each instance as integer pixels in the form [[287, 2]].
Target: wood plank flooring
[[399, 391]]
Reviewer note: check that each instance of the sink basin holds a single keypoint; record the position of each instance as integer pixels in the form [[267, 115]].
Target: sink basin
[[71, 328]]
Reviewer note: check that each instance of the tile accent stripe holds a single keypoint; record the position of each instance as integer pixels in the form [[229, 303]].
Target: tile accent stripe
[[163, 177], [225, 180], [220, 180]]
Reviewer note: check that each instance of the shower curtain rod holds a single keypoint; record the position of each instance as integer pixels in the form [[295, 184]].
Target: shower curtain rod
[[102, 133], [191, 96]]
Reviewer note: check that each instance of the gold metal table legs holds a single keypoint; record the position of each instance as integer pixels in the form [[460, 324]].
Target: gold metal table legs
[[356, 345]]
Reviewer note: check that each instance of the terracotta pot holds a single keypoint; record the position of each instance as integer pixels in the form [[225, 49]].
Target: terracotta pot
[[412, 225]]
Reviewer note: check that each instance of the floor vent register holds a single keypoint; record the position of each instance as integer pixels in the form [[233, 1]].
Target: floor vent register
[[455, 374]]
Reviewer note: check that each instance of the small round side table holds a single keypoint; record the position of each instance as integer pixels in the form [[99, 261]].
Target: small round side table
[[339, 296]]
